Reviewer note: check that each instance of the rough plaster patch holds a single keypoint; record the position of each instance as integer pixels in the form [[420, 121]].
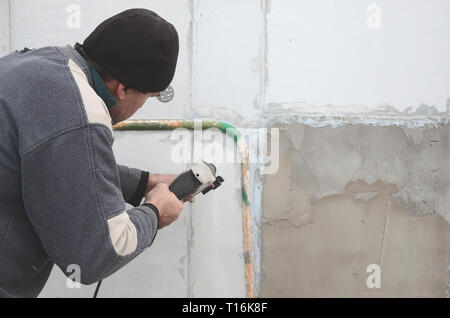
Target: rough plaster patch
[[365, 196], [352, 196], [328, 256], [416, 160], [342, 115], [338, 120]]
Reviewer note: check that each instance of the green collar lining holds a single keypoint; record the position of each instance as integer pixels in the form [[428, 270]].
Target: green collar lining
[[100, 88]]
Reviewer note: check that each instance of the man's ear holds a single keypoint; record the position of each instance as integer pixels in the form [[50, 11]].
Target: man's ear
[[120, 91]]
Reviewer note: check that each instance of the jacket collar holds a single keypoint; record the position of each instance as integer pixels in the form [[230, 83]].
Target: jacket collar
[[93, 77]]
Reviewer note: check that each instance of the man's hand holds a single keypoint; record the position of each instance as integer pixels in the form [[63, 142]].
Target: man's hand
[[168, 205], [154, 179]]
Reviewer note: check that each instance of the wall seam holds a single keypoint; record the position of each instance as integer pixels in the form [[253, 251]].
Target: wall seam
[[191, 55], [190, 236], [190, 232], [9, 27], [255, 178], [265, 7]]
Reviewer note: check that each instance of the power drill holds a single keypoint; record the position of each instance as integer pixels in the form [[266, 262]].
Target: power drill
[[201, 177]]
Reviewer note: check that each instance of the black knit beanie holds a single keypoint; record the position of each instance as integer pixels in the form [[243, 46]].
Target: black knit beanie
[[137, 47]]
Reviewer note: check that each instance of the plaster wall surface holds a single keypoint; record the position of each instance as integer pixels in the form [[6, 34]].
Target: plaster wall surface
[[361, 94], [348, 197]]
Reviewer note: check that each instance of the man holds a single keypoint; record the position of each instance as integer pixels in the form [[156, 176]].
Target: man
[[62, 195]]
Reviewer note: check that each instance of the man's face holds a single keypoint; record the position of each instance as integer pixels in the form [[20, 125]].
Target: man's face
[[128, 103]]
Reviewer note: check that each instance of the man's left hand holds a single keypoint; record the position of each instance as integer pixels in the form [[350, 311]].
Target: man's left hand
[[154, 179]]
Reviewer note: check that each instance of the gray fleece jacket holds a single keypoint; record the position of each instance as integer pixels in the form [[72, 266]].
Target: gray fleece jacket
[[62, 195]]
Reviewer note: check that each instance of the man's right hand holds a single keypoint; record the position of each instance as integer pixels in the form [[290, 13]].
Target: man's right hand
[[168, 205]]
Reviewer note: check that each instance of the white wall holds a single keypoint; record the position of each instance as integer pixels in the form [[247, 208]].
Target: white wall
[[243, 61], [331, 52]]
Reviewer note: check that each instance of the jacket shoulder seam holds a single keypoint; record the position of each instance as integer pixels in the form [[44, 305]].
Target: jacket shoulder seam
[[60, 133]]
